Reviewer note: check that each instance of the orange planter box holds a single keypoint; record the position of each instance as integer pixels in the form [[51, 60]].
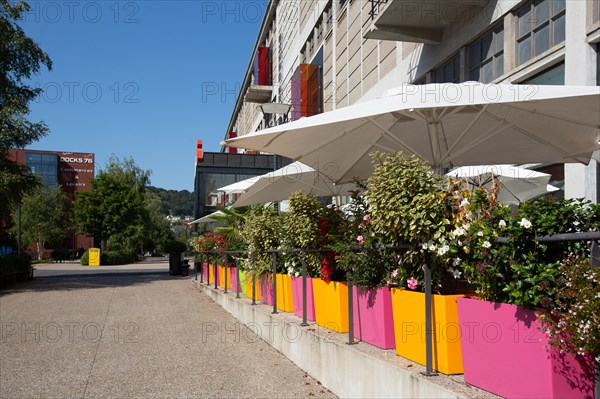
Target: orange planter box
[[285, 300], [409, 329], [211, 274], [249, 287], [331, 304], [222, 277]]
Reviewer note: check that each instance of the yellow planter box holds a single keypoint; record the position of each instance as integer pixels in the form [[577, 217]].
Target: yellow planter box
[[211, 274], [331, 304], [409, 329], [249, 287], [285, 300], [222, 277]]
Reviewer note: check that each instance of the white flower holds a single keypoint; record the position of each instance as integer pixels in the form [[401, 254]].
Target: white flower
[[464, 203], [458, 232], [442, 250], [502, 223], [525, 223], [486, 244], [456, 262], [432, 247], [425, 246], [297, 274], [480, 234], [456, 273]]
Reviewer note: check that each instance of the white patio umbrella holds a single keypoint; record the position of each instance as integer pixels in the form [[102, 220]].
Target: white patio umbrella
[[280, 184], [208, 218], [444, 124], [239, 187], [516, 184]]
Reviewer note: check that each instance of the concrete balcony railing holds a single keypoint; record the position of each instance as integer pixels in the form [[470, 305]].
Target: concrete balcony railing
[[420, 21]]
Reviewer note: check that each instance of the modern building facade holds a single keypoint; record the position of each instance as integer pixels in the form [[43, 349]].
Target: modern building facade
[[319, 55], [72, 171], [218, 169]]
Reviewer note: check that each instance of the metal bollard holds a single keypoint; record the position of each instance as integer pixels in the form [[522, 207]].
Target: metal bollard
[[351, 340], [274, 257], [238, 288], [304, 272], [428, 322], [225, 272]]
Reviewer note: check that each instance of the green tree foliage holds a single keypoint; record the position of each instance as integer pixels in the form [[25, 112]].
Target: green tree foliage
[[175, 203], [43, 218], [20, 58], [115, 207]]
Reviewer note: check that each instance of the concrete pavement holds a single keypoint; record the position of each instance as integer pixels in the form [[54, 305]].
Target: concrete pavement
[[132, 331]]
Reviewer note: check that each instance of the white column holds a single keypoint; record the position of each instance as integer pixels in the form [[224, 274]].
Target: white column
[[580, 70]]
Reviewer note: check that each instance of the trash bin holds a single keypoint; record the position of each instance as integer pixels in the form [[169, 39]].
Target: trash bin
[[185, 267], [174, 263]]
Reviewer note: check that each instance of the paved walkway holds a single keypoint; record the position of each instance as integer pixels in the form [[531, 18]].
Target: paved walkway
[[132, 331]]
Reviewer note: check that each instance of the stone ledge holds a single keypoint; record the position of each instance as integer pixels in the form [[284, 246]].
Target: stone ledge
[[349, 371]]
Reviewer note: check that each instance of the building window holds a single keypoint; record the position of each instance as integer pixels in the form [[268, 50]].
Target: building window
[[449, 72], [486, 56], [43, 165], [541, 25], [554, 75]]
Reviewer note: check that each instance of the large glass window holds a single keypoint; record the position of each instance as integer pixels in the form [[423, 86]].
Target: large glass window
[[43, 165], [553, 76], [449, 72], [541, 25], [486, 56]]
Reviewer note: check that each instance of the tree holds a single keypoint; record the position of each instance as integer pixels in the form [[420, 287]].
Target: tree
[[115, 206], [20, 58], [43, 217]]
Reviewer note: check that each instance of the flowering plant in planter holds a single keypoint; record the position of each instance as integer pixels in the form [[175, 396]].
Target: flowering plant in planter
[[573, 321], [261, 232], [310, 225], [517, 270], [359, 249], [408, 204]]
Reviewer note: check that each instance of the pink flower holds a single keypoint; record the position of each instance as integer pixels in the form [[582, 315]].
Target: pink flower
[[389, 282], [360, 239], [366, 218], [395, 273], [412, 283]]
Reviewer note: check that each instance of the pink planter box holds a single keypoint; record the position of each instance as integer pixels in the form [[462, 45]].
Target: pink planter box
[[265, 283], [373, 317], [297, 295], [205, 271], [235, 287], [505, 352]]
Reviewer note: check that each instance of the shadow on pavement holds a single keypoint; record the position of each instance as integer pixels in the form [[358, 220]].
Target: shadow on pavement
[[90, 281]]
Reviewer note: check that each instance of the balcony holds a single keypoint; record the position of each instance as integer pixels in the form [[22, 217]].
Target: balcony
[[259, 94], [417, 21]]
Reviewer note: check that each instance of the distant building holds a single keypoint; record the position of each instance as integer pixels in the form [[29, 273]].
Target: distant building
[[218, 169], [72, 171]]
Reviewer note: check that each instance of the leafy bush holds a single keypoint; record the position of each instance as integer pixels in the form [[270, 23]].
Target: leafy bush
[[117, 257], [85, 258], [14, 268], [407, 204], [261, 232], [174, 246], [111, 258]]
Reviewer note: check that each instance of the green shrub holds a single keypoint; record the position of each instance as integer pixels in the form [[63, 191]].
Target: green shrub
[[117, 257], [85, 258], [108, 258], [13, 269]]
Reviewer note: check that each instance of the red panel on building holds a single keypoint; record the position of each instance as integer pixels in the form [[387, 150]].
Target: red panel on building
[[263, 73], [232, 150]]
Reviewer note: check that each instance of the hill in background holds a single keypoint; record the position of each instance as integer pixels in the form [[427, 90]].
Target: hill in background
[[175, 203]]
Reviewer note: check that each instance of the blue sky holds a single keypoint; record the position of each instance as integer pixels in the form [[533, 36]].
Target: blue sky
[[142, 79]]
